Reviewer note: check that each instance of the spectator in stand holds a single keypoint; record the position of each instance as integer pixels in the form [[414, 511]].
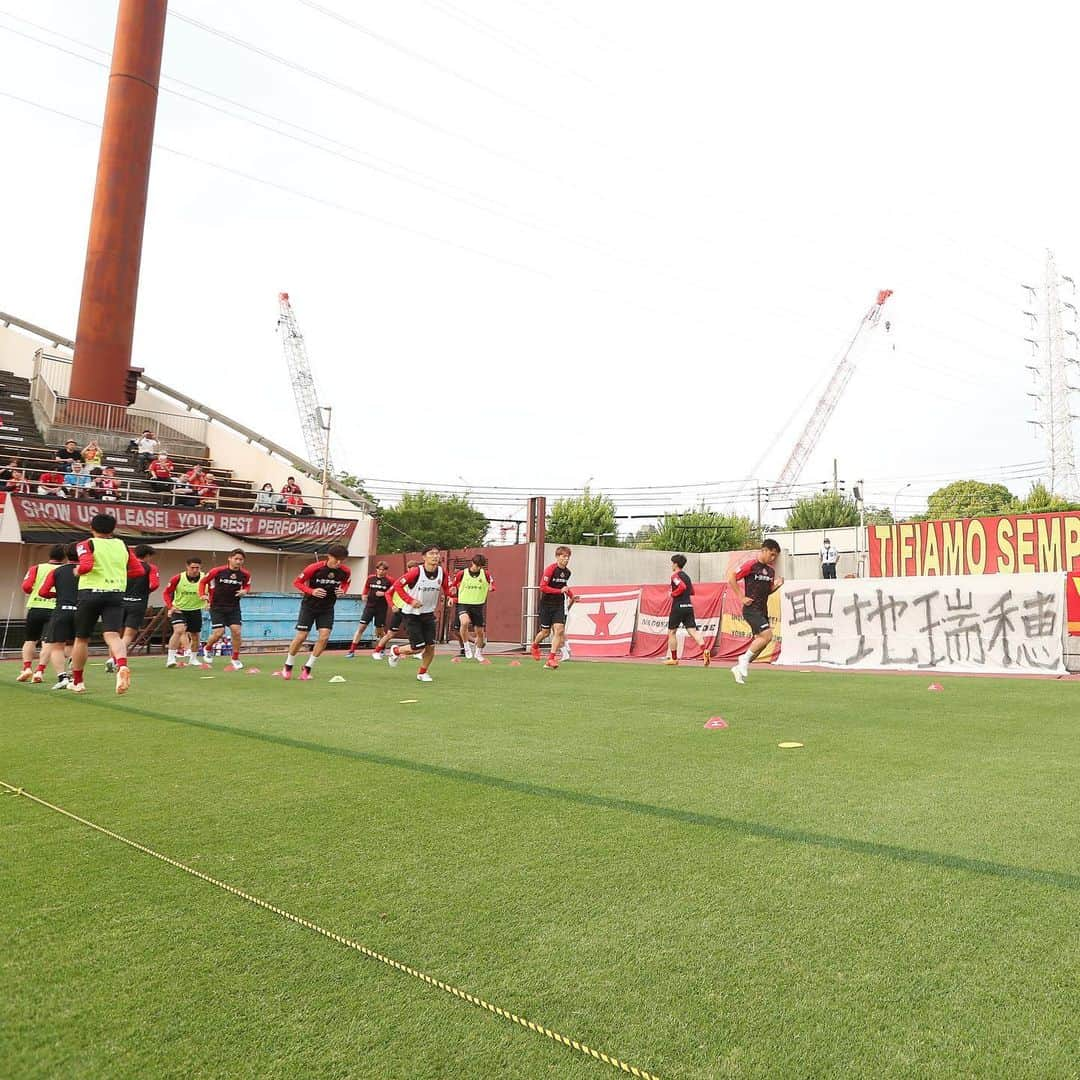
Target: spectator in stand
[[295, 505], [208, 492], [92, 456], [160, 471], [51, 484], [195, 476], [291, 487], [148, 448], [267, 500], [5, 473], [68, 453], [106, 486], [18, 484], [77, 481], [184, 493]]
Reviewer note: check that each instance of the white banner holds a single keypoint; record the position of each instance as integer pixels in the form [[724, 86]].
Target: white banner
[[601, 621], [992, 624]]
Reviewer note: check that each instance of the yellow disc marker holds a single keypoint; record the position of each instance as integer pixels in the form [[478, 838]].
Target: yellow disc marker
[[789, 745], [410, 701]]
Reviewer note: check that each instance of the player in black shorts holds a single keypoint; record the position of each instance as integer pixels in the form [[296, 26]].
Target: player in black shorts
[[394, 622], [374, 613], [682, 612], [39, 613], [225, 586], [554, 592], [321, 583], [754, 582], [62, 585], [137, 598]]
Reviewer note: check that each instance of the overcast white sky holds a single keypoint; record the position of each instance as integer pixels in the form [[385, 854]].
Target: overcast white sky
[[688, 209]]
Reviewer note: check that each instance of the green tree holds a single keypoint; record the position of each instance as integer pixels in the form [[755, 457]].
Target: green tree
[[569, 520], [1040, 500], [348, 480], [426, 517], [706, 530], [969, 498], [878, 515], [643, 537], [825, 510]]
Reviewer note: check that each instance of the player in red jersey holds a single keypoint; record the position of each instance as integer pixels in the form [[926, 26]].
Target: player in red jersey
[[137, 598], [554, 594], [224, 587], [682, 612], [754, 582], [419, 590], [373, 594], [321, 583]]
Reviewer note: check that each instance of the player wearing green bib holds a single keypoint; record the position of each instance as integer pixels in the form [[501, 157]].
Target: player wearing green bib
[[105, 564], [185, 605], [471, 588], [39, 612]]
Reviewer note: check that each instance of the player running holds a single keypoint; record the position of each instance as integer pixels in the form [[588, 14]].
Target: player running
[[393, 624], [137, 598], [39, 611], [321, 583], [224, 587], [554, 594], [419, 589], [374, 614], [62, 586], [104, 567], [471, 587], [759, 581], [682, 612], [185, 604]]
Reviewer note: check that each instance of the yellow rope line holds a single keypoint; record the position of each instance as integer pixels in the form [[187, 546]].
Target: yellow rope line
[[371, 954]]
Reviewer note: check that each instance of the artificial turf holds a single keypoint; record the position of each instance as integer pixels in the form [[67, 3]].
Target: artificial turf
[[898, 898]]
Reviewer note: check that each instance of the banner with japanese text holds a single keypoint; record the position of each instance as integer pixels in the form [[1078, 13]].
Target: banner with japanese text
[[601, 620], [62, 521], [960, 623], [1009, 544], [1072, 603]]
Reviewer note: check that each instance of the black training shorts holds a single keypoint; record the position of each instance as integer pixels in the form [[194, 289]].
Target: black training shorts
[[220, 617], [552, 612], [682, 616], [191, 621], [421, 629], [757, 617], [61, 628], [476, 613], [134, 615], [395, 619], [37, 624], [106, 606], [374, 613], [314, 615]]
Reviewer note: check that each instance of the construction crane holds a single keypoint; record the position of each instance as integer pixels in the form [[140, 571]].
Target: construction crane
[[315, 428], [826, 406]]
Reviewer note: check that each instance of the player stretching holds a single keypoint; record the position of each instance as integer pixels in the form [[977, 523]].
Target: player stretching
[[682, 612], [759, 582], [321, 583], [185, 604], [374, 614], [554, 592], [104, 567], [39, 611], [62, 585], [224, 587], [419, 590], [471, 587], [137, 598]]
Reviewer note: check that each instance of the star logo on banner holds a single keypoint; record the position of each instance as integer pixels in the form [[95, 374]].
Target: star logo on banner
[[602, 619]]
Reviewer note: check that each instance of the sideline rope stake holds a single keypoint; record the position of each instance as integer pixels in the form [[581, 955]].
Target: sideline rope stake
[[371, 954]]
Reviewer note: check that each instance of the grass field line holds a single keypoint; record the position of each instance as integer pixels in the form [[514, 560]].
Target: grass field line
[[1058, 879], [364, 950]]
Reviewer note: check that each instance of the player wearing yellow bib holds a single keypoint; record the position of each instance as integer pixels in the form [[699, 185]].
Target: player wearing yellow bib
[[185, 606], [397, 615], [471, 587], [105, 564], [39, 612]]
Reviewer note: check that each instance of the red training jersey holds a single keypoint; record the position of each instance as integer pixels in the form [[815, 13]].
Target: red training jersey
[[223, 585]]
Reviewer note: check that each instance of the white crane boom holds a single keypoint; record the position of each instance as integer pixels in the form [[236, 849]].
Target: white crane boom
[[303, 385]]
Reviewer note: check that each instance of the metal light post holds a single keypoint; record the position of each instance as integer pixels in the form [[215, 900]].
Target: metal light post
[[896, 498], [324, 422]]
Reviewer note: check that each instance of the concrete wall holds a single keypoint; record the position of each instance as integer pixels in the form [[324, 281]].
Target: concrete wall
[[630, 566], [17, 352]]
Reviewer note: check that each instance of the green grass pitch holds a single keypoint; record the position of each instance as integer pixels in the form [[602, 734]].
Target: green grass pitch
[[899, 898]]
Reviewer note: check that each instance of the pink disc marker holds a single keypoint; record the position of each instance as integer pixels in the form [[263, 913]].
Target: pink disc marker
[[515, 663], [715, 722], [935, 686]]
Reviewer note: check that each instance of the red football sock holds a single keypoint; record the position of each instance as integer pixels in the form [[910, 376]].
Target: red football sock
[[422, 671], [41, 667], [236, 654], [27, 664], [674, 654], [121, 661], [76, 676]]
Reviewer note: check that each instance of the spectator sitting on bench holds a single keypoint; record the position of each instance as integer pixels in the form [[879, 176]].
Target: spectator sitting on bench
[[106, 486], [291, 487], [184, 493], [267, 500], [5, 473], [295, 505], [148, 448], [208, 492], [160, 471], [18, 484], [77, 481], [68, 453], [51, 484], [92, 456]]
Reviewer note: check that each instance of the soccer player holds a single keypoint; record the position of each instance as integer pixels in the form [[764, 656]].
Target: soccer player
[[224, 587], [321, 583], [374, 593], [185, 604], [419, 589], [754, 582], [62, 585], [39, 611], [393, 624], [471, 587], [554, 594], [104, 567], [137, 598], [682, 612]]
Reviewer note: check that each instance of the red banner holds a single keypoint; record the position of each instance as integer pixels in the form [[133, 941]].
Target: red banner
[[1010, 544], [60, 521], [601, 620], [1072, 604], [652, 628]]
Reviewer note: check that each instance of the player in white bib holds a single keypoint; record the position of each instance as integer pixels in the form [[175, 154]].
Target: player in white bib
[[419, 590]]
